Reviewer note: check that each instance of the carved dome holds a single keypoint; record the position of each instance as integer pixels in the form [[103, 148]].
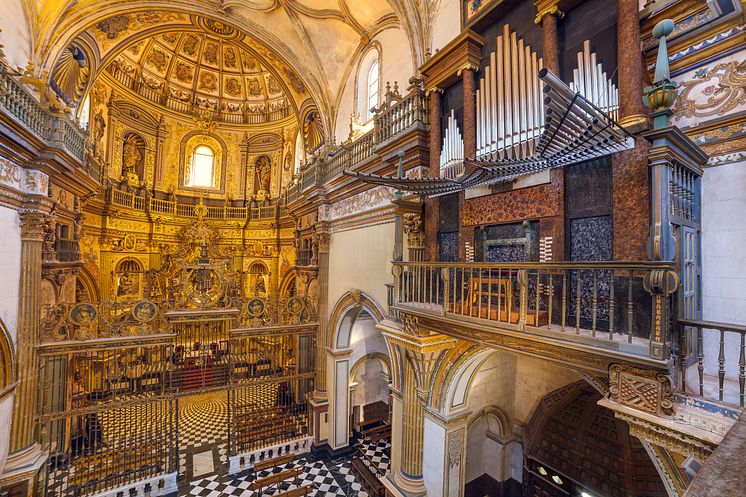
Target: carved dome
[[197, 72]]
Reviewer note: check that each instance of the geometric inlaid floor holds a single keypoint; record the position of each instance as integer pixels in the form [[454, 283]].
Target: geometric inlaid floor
[[203, 427]]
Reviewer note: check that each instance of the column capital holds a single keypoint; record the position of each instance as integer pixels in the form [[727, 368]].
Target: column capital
[[435, 90], [33, 225], [547, 8], [467, 67]]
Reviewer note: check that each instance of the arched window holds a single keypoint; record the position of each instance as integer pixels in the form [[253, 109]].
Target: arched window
[[202, 170], [372, 93]]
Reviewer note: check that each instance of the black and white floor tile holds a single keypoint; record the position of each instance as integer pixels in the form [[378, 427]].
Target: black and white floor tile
[[203, 426], [322, 475], [377, 454]]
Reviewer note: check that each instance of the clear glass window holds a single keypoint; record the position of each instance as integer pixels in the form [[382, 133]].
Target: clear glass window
[[372, 88], [202, 170]]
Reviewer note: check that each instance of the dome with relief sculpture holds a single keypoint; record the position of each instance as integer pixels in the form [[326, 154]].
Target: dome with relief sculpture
[[210, 71]]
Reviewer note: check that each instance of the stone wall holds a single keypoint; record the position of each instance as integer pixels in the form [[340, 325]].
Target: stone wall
[[723, 258]]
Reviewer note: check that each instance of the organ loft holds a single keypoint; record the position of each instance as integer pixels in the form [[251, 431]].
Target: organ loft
[[442, 248]]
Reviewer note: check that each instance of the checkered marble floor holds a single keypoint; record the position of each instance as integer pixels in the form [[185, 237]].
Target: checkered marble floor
[[203, 423], [377, 454], [328, 478]]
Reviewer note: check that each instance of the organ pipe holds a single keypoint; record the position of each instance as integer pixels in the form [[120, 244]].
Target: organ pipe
[[510, 108], [591, 81], [452, 151]]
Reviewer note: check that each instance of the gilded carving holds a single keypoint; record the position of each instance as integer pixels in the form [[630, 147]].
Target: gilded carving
[[669, 439], [33, 226], [643, 389], [713, 92]]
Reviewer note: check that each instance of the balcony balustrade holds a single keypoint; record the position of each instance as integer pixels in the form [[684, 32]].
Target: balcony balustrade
[[712, 360], [614, 306], [54, 128], [591, 302], [396, 117], [160, 206]]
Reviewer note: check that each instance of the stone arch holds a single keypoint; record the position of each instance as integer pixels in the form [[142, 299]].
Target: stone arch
[[8, 361], [345, 312], [572, 442], [457, 376], [492, 454], [382, 358], [288, 284], [86, 286], [348, 309]]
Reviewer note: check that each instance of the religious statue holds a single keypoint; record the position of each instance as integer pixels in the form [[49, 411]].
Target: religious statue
[[263, 173], [131, 158], [126, 284]]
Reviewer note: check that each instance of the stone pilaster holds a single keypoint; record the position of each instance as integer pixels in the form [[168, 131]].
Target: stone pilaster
[[631, 110], [25, 456], [22, 433], [323, 237], [419, 352]]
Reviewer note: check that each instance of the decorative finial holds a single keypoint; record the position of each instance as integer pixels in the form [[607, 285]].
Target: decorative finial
[[400, 172], [661, 96], [200, 210]]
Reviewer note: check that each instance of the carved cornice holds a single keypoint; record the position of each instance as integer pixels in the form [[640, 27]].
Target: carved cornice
[[446, 66], [666, 437], [583, 357]]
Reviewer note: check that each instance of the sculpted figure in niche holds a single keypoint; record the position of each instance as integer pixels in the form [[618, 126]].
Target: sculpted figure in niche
[[263, 174], [126, 284], [133, 158]]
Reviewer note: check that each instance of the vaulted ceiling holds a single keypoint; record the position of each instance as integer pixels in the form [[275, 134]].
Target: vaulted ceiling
[[320, 40]]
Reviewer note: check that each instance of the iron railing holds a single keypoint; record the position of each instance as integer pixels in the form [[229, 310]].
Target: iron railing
[[602, 301]]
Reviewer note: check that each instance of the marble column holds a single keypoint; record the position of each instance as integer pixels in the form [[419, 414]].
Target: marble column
[[23, 427], [629, 48], [551, 42], [432, 205], [466, 233]]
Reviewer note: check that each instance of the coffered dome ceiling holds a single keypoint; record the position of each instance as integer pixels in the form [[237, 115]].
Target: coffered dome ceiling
[[188, 71], [318, 41]]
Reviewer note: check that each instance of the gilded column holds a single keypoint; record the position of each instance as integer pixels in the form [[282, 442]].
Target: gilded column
[[23, 427], [419, 350], [548, 15], [323, 237], [629, 49]]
